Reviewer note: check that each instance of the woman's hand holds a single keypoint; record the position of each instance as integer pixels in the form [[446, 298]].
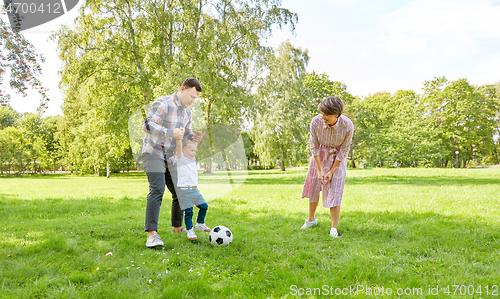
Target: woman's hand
[[321, 176], [328, 176]]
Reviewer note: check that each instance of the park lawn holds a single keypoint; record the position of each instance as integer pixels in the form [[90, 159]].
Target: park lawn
[[405, 230]]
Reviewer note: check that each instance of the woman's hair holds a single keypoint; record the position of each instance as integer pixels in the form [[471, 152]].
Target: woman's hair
[[331, 106], [192, 82]]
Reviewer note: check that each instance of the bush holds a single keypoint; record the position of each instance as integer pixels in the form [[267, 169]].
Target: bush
[[259, 167]]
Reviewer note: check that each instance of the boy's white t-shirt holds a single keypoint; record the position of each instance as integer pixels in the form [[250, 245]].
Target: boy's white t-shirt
[[187, 174]]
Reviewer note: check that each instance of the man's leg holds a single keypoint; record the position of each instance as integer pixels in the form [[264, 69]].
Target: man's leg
[[155, 172], [171, 181]]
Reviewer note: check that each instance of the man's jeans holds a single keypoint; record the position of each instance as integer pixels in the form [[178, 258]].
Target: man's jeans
[[160, 173]]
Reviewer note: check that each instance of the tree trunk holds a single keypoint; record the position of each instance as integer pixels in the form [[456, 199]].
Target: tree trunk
[[495, 150], [131, 35], [107, 168], [282, 161]]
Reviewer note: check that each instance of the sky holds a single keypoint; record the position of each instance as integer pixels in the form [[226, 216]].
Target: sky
[[370, 46]]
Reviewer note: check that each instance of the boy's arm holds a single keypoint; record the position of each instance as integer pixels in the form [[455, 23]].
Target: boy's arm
[[178, 142], [178, 148]]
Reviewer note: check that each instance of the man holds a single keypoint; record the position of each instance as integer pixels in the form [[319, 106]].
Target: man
[[168, 118]]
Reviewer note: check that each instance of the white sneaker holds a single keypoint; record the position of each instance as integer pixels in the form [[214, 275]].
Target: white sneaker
[[154, 240], [202, 226], [191, 235], [334, 233], [308, 224]]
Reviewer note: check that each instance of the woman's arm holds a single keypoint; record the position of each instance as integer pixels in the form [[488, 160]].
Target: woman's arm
[[341, 155], [321, 175], [328, 176], [314, 147]]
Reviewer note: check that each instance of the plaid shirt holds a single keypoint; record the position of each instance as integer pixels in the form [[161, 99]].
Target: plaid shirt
[[166, 114]]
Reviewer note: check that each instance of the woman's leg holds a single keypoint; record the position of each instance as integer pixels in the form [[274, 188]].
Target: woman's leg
[[335, 214], [312, 209]]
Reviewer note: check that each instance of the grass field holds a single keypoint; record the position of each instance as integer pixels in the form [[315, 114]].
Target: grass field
[[407, 231]]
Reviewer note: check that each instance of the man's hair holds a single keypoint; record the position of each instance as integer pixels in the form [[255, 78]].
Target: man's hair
[[331, 106], [192, 82]]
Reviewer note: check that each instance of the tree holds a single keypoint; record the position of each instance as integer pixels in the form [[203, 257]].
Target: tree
[[51, 152], [19, 57], [249, 147], [31, 126], [122, 55], [410, 137], [283, 121], [13, 149], [463, 114], [8, 117], [372, 117], [319, 86]]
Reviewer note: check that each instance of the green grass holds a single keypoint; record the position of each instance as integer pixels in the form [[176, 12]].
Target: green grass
[[403, 228]]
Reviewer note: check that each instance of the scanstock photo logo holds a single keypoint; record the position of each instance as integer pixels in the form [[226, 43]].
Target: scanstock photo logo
[[26, 14]]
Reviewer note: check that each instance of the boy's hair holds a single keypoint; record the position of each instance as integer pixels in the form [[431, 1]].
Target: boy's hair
[[186, 142], [192, 82]]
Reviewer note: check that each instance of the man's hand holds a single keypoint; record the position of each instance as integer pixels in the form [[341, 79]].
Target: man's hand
[[197, 136], [178, 133]]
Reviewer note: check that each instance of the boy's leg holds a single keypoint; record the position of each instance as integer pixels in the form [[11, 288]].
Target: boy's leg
[[202, 213], [188, 218]]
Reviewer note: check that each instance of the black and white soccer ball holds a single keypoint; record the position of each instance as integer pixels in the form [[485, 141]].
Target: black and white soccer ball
[[220, 236]]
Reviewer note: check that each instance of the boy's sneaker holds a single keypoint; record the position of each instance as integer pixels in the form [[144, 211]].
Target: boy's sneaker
[[183, 230], [202, 226], [334, 233], [308, 224], [154, 240], [191, 235]]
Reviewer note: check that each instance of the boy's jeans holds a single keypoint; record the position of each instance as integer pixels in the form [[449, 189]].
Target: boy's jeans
[[188, 215]]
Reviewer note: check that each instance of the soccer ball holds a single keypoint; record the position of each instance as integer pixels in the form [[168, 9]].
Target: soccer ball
[[220, 236]]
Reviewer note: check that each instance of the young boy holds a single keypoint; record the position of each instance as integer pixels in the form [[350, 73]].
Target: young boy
[[187, 184]]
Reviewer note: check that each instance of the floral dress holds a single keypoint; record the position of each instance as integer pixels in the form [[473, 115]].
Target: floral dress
[[330, 143]]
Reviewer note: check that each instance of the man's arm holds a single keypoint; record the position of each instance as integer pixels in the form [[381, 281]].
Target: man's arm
[[152, 122]]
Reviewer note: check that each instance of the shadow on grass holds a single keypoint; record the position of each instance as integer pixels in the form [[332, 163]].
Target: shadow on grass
[[422, 180], [297, 178], [52, 240]]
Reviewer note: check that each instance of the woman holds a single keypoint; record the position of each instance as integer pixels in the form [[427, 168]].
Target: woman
[[331, 137]]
